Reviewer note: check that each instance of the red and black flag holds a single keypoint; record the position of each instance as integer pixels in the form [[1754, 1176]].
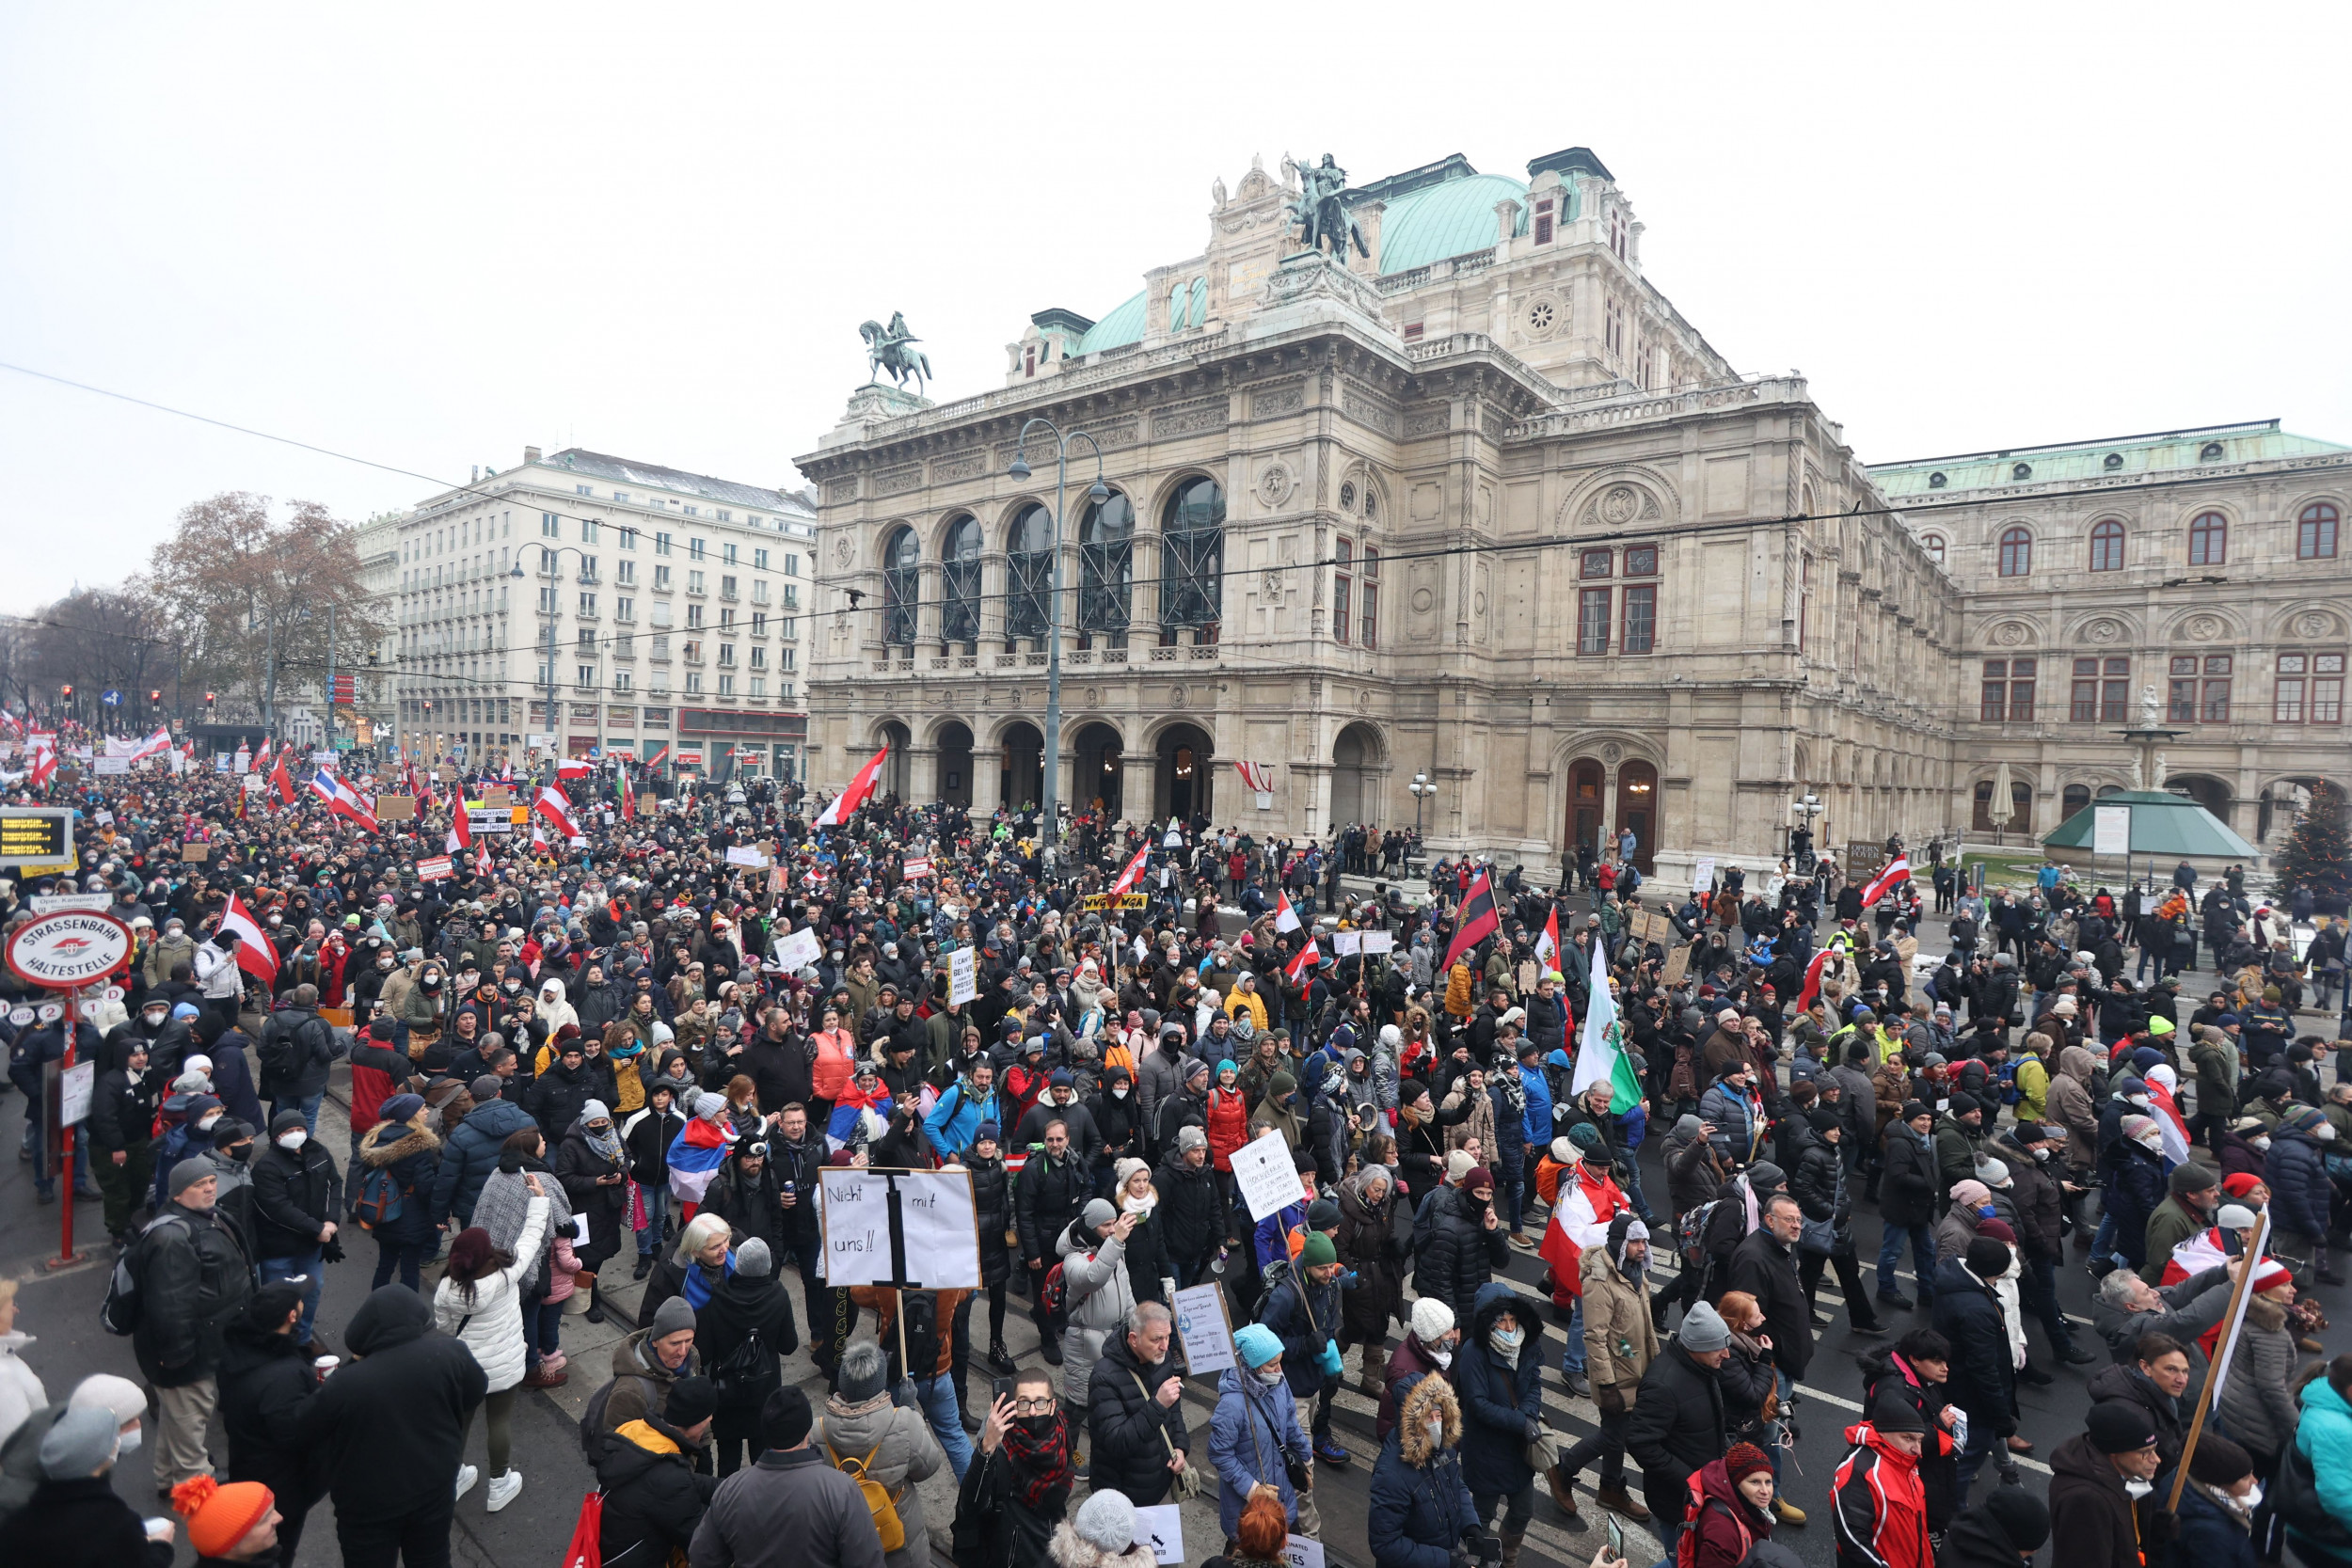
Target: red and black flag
[[1475, 921]]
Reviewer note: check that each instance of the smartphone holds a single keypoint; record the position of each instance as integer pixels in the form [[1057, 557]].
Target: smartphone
[[1000, 1389], [1616, 1536]]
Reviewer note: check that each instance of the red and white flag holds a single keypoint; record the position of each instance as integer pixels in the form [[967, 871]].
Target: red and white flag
[[574, 768], [557, 809], [1133, 874], [1548, 945], [1258, 777], [154, 745], [1285, 918], [629, 796], [460, 825], [538, 835], [255, 956], [1812, 979], [659, 757], [263, 756], [44, 762], [1894, 873], [1300, 968], [344, 800], [855, 795], [1580, 1221]]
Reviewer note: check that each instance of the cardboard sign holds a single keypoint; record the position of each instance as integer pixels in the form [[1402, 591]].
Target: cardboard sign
[[436, 869], [498, 797], [916, 869], [395, 808], [798, 950], [195, 849], [1263, 1172], [743, 854], [963, 975], [1299, 1551], [1347, 943], [1162, 1526], [1207, 1333], [937, 1224], [1703, 874], [1117, 901], [1677, 965]]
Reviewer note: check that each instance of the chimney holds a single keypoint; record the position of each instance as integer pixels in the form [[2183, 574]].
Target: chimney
[[531, 454]]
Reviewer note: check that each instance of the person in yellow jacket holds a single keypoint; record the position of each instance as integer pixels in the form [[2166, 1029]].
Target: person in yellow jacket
[[2033, 1078], [1246, 1000]]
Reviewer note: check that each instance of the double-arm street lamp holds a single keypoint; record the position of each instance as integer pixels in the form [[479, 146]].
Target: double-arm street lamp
[[555, 610], [1098, 491], [1421, 789]]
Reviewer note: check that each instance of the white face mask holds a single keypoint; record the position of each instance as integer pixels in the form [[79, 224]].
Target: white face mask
[[1437, 1431], [208, 1123], [2136, 1099], [2138, 1488], [2262, 1143], [1119, 1094], [1269, 1376], [2245, 1503], [2324, 1131], [294, 1140], [128, 1444], [2153, 1145]]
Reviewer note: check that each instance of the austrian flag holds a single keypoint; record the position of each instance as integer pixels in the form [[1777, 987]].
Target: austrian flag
[[1579, 1220], [1892, 875], [553, 805], [1133, 874]]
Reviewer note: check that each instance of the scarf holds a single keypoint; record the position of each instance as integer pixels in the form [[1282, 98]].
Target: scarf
[[606, 1144], [1041, 1462], [700, 1282]]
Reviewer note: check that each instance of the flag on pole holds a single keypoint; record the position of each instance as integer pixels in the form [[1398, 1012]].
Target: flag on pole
[[659, 757], [1579, 1220], [1601, 1054], [553, 805], [1548, 945], [1301, 967], [538, 834], [574, 768], [344, 800], [44, 763], [481, 858], [1475, 921], [1133, 874], [280, 781], [855, 795], [255, 956], [263, 756], [154, 745], [460, 825], [1895, 871], [1812, 979], [1285, 918], [628, 794]]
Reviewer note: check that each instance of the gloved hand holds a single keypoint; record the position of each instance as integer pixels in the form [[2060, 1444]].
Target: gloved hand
[[1610, 1397], [1458, 1558], [2162, 1528], [904, 1396], [1487, 1547]]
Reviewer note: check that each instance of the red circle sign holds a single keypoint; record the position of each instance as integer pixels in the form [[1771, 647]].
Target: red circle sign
[[70, 948]]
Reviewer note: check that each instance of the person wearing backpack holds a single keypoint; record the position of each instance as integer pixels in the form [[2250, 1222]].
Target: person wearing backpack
[[887, 1446], [296, 1048], [741, 1333], [391, 1199], [189, 1277], [929, 1357], [653, 1497]]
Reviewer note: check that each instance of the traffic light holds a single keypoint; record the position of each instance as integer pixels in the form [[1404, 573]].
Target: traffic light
[[210, 699], [65, 692], [155, 694]]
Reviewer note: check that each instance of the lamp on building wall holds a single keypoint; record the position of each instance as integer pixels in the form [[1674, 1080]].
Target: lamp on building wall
[[1421, 789]]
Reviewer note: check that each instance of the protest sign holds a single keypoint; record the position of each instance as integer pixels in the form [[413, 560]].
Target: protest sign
[[963, 975], [744, 854], [1162, 1526], [798, 950], [1299, 1551], [395, 808], [1267, 1179], [1206, 1332], [1379, 942], [917, 868], [1703, 874], [938, 1235], [435, 868]]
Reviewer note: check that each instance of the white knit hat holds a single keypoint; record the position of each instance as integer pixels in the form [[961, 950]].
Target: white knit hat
[[1106, 1522], [1432, 1320]]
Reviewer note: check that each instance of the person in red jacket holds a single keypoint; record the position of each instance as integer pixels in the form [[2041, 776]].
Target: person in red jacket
[[1730, 1509], [1877, 1504]]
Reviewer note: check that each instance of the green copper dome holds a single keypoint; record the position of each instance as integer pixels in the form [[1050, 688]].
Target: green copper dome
[[1123, 325], [1451, 218]]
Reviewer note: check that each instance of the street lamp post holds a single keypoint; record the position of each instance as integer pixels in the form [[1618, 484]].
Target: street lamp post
[[1807, 807], [1098, 491], [1421, 789], [546, 556]]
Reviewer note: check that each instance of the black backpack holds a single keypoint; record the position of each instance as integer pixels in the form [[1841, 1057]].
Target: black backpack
[[125, 1306], [743, 1370], [921, 1308], [594, 1428]]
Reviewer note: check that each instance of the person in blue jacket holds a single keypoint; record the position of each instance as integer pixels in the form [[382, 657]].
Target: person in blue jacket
[[1498, 1374], [2324, 1438], [1255, 1435], [970, 1101], [1421, 1508], [2299, 1188]]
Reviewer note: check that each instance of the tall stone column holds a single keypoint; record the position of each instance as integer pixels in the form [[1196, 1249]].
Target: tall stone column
[[1138, 784], [922, 774]]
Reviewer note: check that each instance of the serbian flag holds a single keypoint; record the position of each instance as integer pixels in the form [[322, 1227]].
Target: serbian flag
[[1300, 968], [1812, 980], [1547, 945], [1578, 1220], [255, 956], [460, 825], [855, 795], [574, 768], [696, 1155], [279, 780], [1475, 922], [154, 745], [1285, 918], [342, 800], [1133, 874], [552, 805], [1894, 872]]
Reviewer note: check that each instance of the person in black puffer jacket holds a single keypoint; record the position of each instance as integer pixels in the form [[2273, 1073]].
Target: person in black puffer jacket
[[1983, 1377], [1818, 1185], [297, 1198], [1907, 1192], [653, 1498], [1193, 1219], [991, 1211], [745, 1195], [556, 1096], [266, 1384], [1461, 1244], [1677, 1420], [1912, 1371], [1053, 1192], [750, 1304]]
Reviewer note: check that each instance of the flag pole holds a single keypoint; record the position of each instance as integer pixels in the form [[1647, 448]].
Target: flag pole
[[2251, 1257]]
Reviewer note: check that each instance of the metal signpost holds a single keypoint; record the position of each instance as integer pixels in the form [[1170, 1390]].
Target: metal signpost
[[64, 952]]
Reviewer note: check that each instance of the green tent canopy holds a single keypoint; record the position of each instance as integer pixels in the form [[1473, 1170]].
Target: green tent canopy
[[2165, 827]]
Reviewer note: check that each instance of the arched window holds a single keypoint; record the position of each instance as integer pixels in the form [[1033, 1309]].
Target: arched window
[[2017, 553], [1177, 300], [960, 572], [2107, 547], [2209, 540], [1934, 544], [1028, 571], [2075, 798], [1106, 569], [2315, 533], [1199, 303], [1192, 560], [902, 587]]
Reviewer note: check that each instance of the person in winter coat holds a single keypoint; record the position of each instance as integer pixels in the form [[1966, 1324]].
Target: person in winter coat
[[1017, 1492], [1150, 1278], [122, 1116], [2069, 1105], [1050, 1196], [555, 1096], [741, 1335], [1368, 1243], [1193, 1218], [1620, 1342], [1912, 1371], [297, 1192], [1254, 1436], [2323, 1439], [2299, 1188], [296, 1049], [647, 1135], [1096, 1293], [2135, 1187], [75, 1517], [1817, 1182], [992, 1207], [471, 1154], [267, 1382], [391, 1428], [653, 1497], [1422, 1511], [1304, 1308], [1135, 1410], [890, 1444], [479, 1303], [1983, 1379], [1498, 1374], [2256, 1401], [1459, 1245], [2217, 1506], [408, 1152], [594, 1168], [1765, 1266], [2193, 1191], [2007, 1528], [1678, 1424], [195, 1279], [746, 1194], [2094, 1520], [1878, 1509], [1907, 1205], [1730, 1508], [1228, 1124], [646, 1363]]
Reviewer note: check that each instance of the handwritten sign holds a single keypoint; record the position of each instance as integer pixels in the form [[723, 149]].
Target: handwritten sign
[[1347, 943], [1677, 965], [963, 975], [1203, 1327], [798, 950], [1162, 1526], [395, 808], [1299, 1551], [1378, 943], [936, 1215], [1117, 901], [435, 869], [77, 1085], [743, 854], [1268, 1181], [1703, 874]]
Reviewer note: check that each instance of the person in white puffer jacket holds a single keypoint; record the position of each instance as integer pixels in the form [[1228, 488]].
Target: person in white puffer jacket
[[21, 1392], [1098, 1295], [479, 1301]]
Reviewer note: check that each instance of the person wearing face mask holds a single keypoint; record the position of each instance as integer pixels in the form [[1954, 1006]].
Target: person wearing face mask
[[2299, 1188], [2243, 1146], [1620, 1342], [1254, 1437], [2136, 1186], [1498, 1376], [1431, 1340], [2102, 1513], [121, 1150], [194, 1277], [1423, 1515], [76, 1516], [296, 1192], [1018, 1488], [188, 1120], [2217, 1505]]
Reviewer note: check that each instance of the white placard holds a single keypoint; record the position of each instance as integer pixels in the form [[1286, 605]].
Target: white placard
[[743, 854], [1703, 874], [942, 1238], [1201, 1324], [798, 950], [49, 903], [489, 819], [75, 1086], [1162, 1525], [107, 767], [1299, 1551], [105, 818], [1268, 1181], [1376, 942], [435, 868], [914, 869], [963, 975], [2111, 831], [1347, 943]]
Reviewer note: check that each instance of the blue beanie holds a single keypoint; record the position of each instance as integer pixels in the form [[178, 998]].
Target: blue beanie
[[1257, 1344], [1225, 1066], [2225, 1020]]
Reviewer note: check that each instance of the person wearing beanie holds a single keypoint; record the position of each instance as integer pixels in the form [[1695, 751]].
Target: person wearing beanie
[[1736, 1507], [2136, 1185], [862, 1419], [1102, 1534], [645, 1139], [1676, 1425], [266, 1380], [1819, 1183], [297, 1196], [1097, 1291], [1910, 1190], [1458, 1243], [2217, 1505], [1878, 1504], [394, 1169], [1254, 1436], [1051, 1193], [1277, 1111], [2192, 1191], [237, 1523], [1694, 1175], [1304, 1309], [1969, 1314], [654, 1500], [1193, 1218], [2096, 1477], [1429, 1345], [1960, 1138], [195, 1277], [74, 1514]]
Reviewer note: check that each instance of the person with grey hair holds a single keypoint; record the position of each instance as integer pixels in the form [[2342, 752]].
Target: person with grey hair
[[888, 1442], [1135, 1412], [2128, 1307]]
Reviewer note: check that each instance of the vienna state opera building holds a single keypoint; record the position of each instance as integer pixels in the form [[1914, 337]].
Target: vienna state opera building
[[1478, 523]]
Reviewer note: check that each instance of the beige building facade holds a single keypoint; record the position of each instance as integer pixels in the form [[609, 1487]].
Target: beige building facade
[[1480, 508]]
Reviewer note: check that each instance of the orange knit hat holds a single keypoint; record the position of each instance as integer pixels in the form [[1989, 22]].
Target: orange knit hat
[[220, 1516]]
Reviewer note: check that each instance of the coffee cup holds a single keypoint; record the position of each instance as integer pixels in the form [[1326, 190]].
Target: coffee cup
[[327, 1364]]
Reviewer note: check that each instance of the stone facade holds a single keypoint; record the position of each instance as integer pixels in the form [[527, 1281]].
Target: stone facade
[[1482, 507]]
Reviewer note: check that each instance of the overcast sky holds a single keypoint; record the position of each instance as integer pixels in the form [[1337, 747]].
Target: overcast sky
[[432, 235]]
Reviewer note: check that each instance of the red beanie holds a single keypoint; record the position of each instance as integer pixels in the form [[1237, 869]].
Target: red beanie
[[1744, 1460]]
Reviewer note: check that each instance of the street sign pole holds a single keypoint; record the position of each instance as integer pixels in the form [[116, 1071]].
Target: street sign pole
[[67, 1256]]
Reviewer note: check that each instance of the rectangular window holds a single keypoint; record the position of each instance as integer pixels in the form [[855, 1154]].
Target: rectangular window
[[589, 529], [726, 554], [693, 650], [788, 627], [726, 620], [2327, 689], [726, 587], [2086, 696], [759, 591], [623, 494], [759, 657], [2021, 685], [586, 489], [586, 639], [693, 615], [1993, 701], [1592, 621], [727, 516], [727, 685], [624, 646], [587, 681], [1641, 560], [1341, 610], [693, 683], [547, 601], [760, 559], [791, 564], [628, 538], [693, 510], [2214, 705], [1372, 596], [726, 653], [759, 688], [662, 579], [625, 571], [659, 652], [587, 605], [662, 543], [2183, 706], [623, 609], [1641, 619], [550, 527], [694, 582], [1595, 563], [759, 624], [621, 682], [587, 568], [784, 661], [694, 549], [1543, 223]]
